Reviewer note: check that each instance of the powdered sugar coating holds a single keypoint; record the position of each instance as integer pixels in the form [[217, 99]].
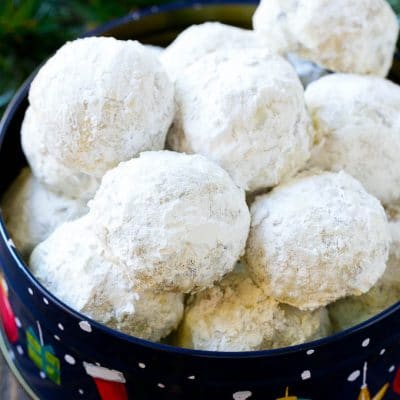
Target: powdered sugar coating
[[200, 40], [32, 212], [74, 268], [176, 221], [317, 238], [99, 101], [156, 50], [356, 309], [356, 36], [48, 170], [236, 315], [392, 273], [353, 115], [245, 110]]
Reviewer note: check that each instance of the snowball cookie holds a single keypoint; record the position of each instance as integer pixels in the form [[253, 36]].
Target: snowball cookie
[[317, 238], [175, 221], [31, 212], [50, 172], [306, 70], [357, 125], [245, 110], [199, 40], [357, 36], [72, 266], [99, 101], [356, 309], [235, 315]]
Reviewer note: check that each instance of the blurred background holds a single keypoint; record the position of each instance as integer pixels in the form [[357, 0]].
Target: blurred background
[[30, 30]]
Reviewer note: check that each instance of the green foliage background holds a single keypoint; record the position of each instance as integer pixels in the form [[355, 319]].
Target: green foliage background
[[30, 30]]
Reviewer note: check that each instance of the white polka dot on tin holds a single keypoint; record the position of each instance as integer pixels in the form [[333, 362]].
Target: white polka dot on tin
[[18, 322], [57, 337], [81, 391], [365, 342], [161, 385], [243, 395], [69, 359], [392, 368], [354, 375], [20, 350], [309, 352], [306, 375], [60, 327], [85, 326], [30, 291], [45, 301], [42, 375], [382, 352], [191, 377], [141, 365]]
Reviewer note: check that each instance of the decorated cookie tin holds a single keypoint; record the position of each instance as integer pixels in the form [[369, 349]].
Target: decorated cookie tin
[[56, 353]]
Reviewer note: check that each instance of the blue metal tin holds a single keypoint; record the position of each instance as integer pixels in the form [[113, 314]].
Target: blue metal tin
[[58, 353]]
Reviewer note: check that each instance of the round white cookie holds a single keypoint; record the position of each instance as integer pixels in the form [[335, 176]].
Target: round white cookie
[[32, 212], [353, 310], [357, 125], [48, 170], [99, 101], [177, 222], [357, 36], [236, 315], [245, 110], [317, 238], [199, 40], [72, 266]]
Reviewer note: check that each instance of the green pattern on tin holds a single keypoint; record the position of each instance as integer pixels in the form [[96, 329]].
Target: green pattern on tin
[[43, 356]]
